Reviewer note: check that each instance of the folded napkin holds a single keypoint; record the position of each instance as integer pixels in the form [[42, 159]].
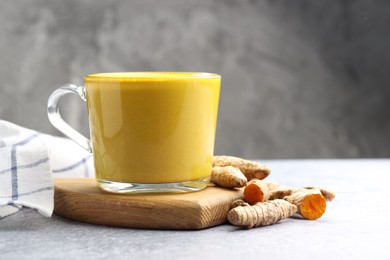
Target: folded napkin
[[28, 162]]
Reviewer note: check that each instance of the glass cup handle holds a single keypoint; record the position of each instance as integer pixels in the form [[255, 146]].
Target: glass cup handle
[[56, 120]]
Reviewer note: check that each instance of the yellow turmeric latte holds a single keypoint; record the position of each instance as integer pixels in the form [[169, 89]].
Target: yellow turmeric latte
[[152, 127]]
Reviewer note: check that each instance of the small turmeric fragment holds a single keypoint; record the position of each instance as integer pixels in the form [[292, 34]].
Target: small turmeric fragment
[[228, 177], [256, 191], [250, 169], [239, 202], [329, 195], [310, 201], [261, 214]]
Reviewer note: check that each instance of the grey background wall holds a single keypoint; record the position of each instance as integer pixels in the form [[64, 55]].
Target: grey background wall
[[301, 79]]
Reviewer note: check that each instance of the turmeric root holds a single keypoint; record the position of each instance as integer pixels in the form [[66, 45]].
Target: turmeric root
[[310, 201], [260, 214], [250, 169], [256, 191], [228, 177]]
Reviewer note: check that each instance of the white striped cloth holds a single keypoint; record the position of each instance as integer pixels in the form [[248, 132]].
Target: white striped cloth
[[28, 162]]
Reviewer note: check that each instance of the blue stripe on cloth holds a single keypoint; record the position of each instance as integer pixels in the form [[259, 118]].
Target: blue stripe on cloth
[[73, 166], [29, 193], [12, 205], [14, 169], [27, 165], [14, 172], [28, 139]]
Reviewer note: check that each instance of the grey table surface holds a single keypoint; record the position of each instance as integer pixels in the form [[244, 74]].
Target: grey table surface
[[356, 225]]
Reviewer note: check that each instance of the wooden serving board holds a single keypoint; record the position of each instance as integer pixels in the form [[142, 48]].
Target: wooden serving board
[[82, 200]]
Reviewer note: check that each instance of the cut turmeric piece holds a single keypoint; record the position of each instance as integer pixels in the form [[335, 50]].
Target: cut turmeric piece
[[250, 169], [256, 191], [310, 201], [313, 206]]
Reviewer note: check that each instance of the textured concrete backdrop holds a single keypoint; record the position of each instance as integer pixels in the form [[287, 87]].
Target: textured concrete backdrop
[[301, 79]]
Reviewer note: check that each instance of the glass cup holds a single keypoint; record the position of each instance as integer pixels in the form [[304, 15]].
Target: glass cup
[[149, 131]]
